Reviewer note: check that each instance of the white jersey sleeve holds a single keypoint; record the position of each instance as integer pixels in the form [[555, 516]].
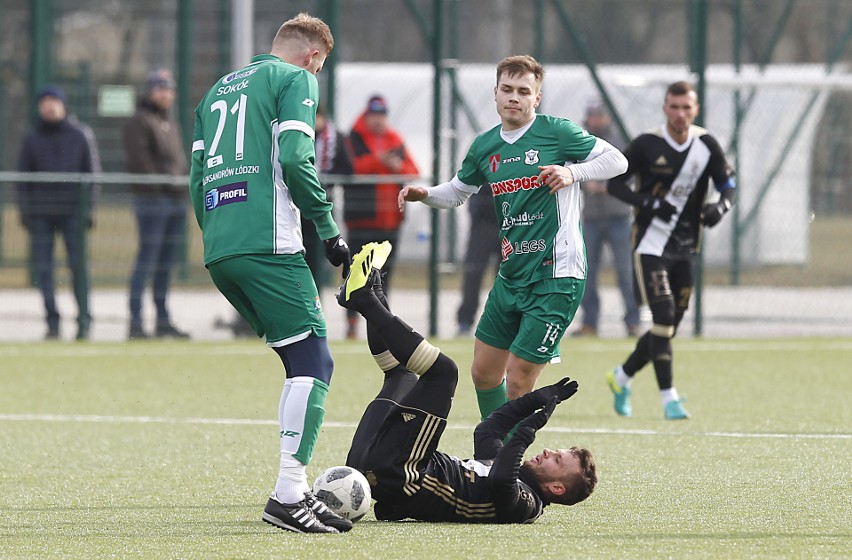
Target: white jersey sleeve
[[603, 162], [451, 194]]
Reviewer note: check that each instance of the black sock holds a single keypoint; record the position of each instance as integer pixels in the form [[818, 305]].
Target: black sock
[[661, 349], [640, 356], [398, 337]]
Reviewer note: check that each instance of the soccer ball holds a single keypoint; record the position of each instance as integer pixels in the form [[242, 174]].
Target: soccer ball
[[345, 491]]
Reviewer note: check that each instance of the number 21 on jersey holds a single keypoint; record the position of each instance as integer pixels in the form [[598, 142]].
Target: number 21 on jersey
[[238, 109]]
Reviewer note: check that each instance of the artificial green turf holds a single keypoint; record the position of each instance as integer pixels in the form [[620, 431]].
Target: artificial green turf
[[169, 450]]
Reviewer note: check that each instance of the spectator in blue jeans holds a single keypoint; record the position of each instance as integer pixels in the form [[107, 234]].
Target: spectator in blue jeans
[[58, 143], [154, 145], [606, 221]]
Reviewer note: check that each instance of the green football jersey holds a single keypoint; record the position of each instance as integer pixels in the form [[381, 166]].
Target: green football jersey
[[252, 162], [540, 234]]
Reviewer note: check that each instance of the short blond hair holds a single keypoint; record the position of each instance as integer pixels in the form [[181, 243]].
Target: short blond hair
[[521, 64], [307, 29]]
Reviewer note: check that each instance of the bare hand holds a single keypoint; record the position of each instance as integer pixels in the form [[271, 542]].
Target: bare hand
[[411, 193], [391, 160], [555, 177]]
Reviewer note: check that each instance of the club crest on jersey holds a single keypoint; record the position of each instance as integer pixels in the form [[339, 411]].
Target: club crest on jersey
[[226, 194], [494, 162], [531, 157]]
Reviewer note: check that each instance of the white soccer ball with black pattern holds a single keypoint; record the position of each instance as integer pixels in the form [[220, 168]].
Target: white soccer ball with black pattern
[[345, 491]]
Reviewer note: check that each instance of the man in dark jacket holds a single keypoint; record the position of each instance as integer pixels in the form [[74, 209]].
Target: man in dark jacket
[[58, 143], [395, 444], [154, 145]]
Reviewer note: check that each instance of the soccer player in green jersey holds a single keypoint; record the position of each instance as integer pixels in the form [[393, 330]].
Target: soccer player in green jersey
[[252, 175], [533, 164]]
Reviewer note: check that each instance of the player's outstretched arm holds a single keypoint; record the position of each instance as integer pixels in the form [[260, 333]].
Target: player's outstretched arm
[[489, 434], [411, 193], [451, 194]]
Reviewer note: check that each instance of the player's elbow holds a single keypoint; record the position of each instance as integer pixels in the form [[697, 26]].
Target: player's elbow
[[290, 161], [620, 164]]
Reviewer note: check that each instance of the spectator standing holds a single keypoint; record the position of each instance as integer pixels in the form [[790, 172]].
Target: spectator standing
[[370, 211], [606, 221], [58, 142], [153, 142], [483, 248]]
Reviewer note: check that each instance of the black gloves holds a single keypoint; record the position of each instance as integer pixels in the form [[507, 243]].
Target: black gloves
[[562, 390], [337, 253], [554, 394], [539, 419], [712, 213], [659, 207]]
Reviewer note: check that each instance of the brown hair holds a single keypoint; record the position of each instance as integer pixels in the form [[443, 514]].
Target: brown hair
[[679, 88], [578, 486], [521, 64], [307, 29]]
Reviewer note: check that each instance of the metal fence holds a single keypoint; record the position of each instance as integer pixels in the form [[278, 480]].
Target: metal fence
[[774, 78]]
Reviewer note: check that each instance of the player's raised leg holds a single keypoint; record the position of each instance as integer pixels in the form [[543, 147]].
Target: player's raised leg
[[405, 345]]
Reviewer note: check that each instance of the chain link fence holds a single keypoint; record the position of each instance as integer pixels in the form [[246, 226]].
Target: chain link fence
[[777, 94]]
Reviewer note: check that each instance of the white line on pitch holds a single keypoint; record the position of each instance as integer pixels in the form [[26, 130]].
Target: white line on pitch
[[228, 348], [254, 422]]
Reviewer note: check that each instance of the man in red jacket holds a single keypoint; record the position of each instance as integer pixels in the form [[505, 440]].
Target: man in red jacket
[[371, 211]]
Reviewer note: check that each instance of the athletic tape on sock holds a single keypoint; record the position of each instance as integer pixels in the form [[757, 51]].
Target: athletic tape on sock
[[386, 360], [666, 331], [423, 357]]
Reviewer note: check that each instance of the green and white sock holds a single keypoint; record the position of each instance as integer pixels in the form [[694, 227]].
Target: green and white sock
[[300, 415], [490, 400]]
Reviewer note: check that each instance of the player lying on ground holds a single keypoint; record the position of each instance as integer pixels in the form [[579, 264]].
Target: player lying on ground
[[395, 444]]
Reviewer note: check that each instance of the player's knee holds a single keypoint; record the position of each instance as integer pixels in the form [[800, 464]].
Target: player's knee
[[518, 386], [445, 367], [663, 313], [308, 358], [484, 378]]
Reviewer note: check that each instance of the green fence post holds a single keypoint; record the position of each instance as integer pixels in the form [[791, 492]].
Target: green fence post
[[698, 64], [736, 240], [184, 109], [452, 74], [40, 66], [434, 279], [81, 286], [2, 162]]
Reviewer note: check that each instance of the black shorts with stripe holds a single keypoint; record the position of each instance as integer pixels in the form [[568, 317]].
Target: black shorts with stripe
[[400, 453]]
